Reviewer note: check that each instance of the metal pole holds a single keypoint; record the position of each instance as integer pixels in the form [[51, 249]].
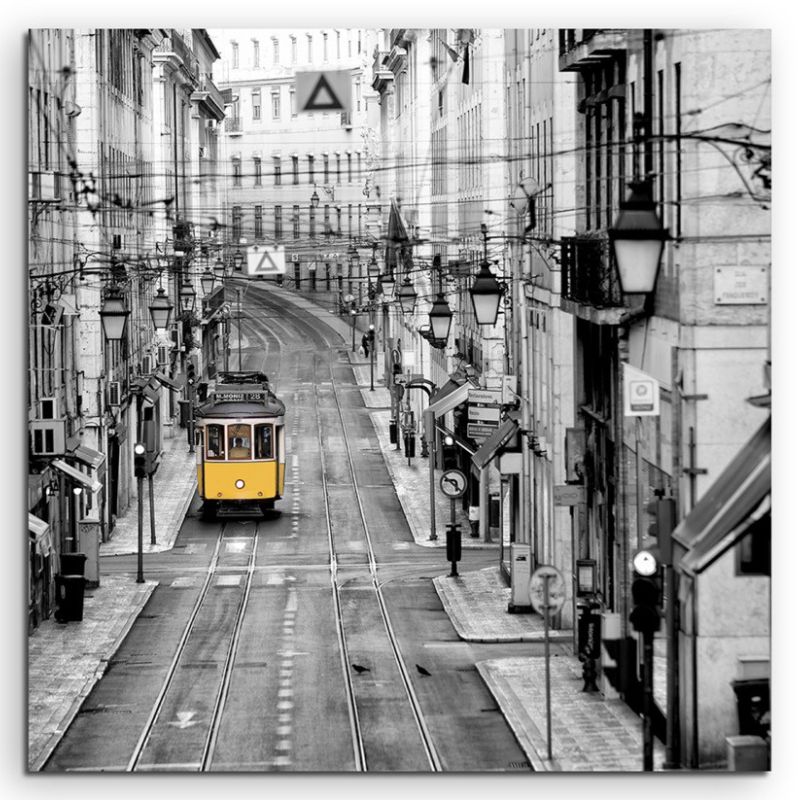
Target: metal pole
[[353, 320], [546, 579], [239, 298], [140, 521], [432, 481], [152, 509], [647, 700]]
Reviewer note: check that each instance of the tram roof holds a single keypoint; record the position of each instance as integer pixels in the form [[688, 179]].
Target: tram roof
[[241, 410]]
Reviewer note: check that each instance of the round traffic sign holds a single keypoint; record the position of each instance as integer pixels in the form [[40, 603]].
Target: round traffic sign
[[453, 483], [348, 298], [547, 590]]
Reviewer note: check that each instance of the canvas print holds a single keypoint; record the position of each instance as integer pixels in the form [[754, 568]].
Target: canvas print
[[398, 400]]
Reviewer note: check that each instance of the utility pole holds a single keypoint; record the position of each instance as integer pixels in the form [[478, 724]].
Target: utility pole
[[239, 298]]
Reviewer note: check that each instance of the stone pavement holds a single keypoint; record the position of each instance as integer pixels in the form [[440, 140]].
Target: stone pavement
[[588, 732]]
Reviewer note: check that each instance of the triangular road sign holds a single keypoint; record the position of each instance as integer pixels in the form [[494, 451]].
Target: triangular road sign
[[266, 261], [323, 91], [318, 101]]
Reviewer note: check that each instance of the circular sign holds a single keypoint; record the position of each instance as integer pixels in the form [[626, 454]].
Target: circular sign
[[645, 563], [453, 483], [553, 580], [348, 298]]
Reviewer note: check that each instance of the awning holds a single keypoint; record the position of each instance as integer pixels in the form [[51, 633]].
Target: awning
[[86, 455], [40, 532], [495, 443], [730, 506], [452, 394], [170, 383], [77, 476]]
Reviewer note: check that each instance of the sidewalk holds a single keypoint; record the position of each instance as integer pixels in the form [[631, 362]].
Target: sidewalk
[[588, 733]]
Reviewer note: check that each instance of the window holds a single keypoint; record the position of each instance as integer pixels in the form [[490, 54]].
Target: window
[[256, 54], [310, 47], [338, 221], [349, 46], [311, 169], [754, 551], [258, 222], [358, 92], [349, 167], [325, 168], [327, 222], [324, 46], [312, 222], [239, 445], [293, 40], [236, 222], [278, 222], [276, 169], [295, 170], [276, 105], [292, 103], [256, 103], [359, 41], [263, 439], [237, 172], [257, 170], [338, 168], [235, 54], [276, 50], [216, 442], [296, 222]]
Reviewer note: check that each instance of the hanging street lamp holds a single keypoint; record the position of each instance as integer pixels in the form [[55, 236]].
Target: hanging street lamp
[[187, 296], [161, 310], [486, 293], [637, 239], [238, 260], [114, 315], [207, 281], [315, 199], [387, 284], [219, 268], [407, 295], [440, 317]]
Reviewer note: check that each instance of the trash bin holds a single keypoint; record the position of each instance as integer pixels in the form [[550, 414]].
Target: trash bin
[[69, 598], [73, 564]]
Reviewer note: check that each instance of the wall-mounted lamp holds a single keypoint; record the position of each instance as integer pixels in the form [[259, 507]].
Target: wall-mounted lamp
[[238, 260], [637, 239], [207, 281], [114, 315], [161, 310], [407, 296]]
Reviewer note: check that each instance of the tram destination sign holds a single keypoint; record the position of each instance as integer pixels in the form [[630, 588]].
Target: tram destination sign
[[238, 397]]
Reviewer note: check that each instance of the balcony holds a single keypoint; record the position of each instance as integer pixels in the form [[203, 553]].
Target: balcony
[[381, 74], [173, 52], [589, 284], [582, 48], [210, 99], [233, 125]]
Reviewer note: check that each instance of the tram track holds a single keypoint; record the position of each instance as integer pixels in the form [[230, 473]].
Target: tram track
[[359, 749], [155, 720]]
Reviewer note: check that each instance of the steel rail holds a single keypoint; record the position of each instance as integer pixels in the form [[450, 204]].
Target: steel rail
[[230, 656], [159, 701]]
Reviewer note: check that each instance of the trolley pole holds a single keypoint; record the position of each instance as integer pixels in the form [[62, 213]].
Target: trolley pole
[[140, 523], [152, 509]]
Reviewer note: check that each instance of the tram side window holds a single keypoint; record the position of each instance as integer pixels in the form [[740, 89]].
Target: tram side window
[[239, 445], [263, 441], [216, 442]]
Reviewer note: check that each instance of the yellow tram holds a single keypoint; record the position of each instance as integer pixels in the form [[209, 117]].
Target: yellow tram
[[241, 452]]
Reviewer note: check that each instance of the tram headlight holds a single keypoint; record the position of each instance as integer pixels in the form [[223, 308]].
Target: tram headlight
[[239, 484]]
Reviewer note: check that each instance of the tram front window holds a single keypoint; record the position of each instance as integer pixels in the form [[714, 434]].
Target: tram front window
[[216, 442], [263, 441], [239, 447]]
